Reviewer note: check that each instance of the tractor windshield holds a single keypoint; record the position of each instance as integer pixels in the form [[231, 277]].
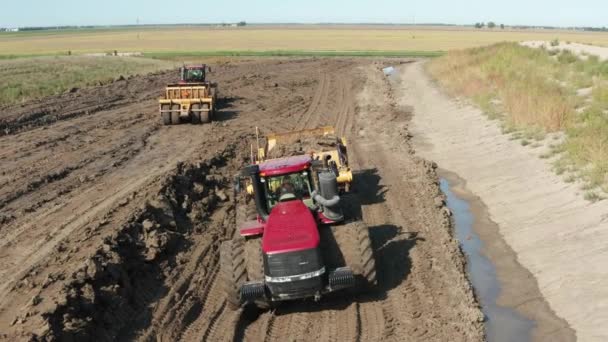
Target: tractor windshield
[[287, 187], [194, 75]]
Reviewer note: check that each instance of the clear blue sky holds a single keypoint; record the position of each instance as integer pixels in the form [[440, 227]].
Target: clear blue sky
[[112, 12]]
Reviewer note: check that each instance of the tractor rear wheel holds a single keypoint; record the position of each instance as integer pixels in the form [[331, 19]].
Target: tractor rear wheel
[[254, 258], [205, 113], [353, 242], [175, 120], [245, 210], [214, 103], [196, 113], [233, 273], [166, 115]]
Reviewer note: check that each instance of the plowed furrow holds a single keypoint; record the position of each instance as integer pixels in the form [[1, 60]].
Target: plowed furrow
[[347, 322], [269, 328], [316, 102], [211, 303], [372, 320]]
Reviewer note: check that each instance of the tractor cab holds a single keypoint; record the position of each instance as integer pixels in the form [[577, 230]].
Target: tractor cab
[[194, 73], [301, 178], [287, 179]]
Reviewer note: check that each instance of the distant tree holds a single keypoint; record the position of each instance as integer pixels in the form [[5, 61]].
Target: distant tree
[[241, 23], [502, 26], [479, 25], [491, 25]]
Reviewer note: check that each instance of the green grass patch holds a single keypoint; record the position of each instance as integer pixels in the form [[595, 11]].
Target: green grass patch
[[179, 55], [535, 91], [7, 57], [25, 79], [175, 55], [593, 196]]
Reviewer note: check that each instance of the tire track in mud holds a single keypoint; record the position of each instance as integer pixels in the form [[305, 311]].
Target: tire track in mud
[[87, 206], [316, 103], [292, 325], [296, 322], [192, 305], [212, 306], [274, 322], [104, 121]]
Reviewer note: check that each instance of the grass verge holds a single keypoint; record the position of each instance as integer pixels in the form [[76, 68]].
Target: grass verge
[[25, 79], [173, 55], [533, 90]]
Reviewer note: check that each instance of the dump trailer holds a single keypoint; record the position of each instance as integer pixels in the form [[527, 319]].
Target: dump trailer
[[321, 143], [304, 238], [193, 99]]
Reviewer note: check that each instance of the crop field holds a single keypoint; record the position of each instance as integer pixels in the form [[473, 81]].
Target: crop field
[[173, 40], [30, 78]]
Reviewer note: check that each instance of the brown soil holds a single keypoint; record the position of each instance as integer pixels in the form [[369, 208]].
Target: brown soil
[[110, 223]]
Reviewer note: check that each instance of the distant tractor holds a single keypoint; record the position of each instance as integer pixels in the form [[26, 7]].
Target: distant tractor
[[193, 99], [303, 239]]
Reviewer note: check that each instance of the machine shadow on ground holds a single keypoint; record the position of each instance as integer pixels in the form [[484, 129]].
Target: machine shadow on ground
[[392, 248], [367, 184], [225, 108]]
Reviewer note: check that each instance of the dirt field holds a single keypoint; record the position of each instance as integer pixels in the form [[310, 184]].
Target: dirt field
[[110, 223]]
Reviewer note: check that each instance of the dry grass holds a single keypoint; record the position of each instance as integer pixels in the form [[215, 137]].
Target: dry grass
[[320, 38], [29, 78], [526, 84], [534, 91]]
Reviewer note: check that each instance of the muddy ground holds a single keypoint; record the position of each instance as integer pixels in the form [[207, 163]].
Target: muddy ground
[[110, 223]]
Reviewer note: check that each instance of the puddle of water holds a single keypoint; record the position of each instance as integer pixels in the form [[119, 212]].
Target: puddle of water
[[502, 324]]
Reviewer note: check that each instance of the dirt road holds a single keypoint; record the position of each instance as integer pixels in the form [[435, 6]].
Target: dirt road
[[110, 223]]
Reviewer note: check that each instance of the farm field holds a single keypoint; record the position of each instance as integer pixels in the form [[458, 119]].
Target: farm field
[[26, 79], [272, 38]]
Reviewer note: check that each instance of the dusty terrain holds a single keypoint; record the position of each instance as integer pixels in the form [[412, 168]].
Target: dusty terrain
[[556, 234], [110, 223], [579, 49]]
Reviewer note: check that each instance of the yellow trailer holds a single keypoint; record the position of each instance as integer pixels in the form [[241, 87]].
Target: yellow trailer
[[320, 143]]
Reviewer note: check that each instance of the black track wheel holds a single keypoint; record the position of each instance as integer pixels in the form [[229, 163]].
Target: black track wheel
[[255, 265], [175, 111], [233, 273], [166, 116], [196, 113], [205, 113], [245, 209], [254, 257], [355, 245]]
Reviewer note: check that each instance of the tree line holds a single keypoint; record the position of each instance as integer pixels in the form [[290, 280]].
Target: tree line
[[490, 25]]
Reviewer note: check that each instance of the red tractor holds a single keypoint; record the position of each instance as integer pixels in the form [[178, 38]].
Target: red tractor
[[302, 241]]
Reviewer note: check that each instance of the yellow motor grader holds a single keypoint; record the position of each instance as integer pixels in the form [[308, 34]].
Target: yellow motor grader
[[193, 99]]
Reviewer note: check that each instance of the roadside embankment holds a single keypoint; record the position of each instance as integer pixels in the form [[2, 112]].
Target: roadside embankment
[[557, 234], [534, 92]]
